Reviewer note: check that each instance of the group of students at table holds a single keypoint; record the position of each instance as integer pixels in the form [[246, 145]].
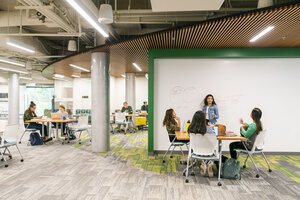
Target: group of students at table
[[30, 114], [203, 122]]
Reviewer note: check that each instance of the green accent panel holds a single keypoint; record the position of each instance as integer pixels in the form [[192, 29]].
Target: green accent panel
[[205, 53]]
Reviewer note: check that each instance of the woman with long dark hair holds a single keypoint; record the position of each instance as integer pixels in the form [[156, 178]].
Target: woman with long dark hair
[[199, 126], [172, 123], [210, 109], [249, 131]]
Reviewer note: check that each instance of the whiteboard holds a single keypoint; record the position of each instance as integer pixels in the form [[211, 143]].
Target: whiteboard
[[238, 86]]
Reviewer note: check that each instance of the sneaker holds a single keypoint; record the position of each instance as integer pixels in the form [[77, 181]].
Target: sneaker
[[210, 170], [203, 169]]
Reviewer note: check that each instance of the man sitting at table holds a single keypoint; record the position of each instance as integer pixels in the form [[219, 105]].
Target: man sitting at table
[[126, 108], [145, 107], [29, 114]]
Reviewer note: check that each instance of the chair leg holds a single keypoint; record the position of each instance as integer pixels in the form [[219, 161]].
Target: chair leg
[[193, 172], [257, 175], [166, 153], [244, 166], [181, 151], [187, 170], [219, 174], [22, 137], [79, 137], [171, 155], [266, 161], [20, 153], [9, 154], [6, 165]]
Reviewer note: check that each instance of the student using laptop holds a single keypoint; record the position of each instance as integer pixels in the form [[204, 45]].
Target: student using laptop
[[62, 114], [29, 114], [210, 109], [199, 126]]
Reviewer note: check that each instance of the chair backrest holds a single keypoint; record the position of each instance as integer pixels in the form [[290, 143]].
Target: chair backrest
[[259, 141], [120, 117], [204, 145], [83, 121], [3, 123], [10, 133], [21, 126]]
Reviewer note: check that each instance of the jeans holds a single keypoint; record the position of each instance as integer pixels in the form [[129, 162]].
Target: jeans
[[235, 145], [38, 127], [59, 125]]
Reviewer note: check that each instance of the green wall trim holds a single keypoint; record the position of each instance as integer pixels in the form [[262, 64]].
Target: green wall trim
[[204, 53]]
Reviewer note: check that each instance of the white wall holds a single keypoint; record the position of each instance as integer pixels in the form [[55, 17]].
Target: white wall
[[82, 87], [238, 85], [141, 86]]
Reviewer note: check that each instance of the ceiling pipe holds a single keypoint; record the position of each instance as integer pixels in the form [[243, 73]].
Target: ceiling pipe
[[43, 34]]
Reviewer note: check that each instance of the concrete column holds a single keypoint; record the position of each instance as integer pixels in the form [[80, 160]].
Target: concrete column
[[130, 90], [13, 98], [100, 102]]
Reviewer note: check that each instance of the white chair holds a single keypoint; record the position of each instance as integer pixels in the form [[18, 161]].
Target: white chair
[[82, 125], [256, 149], [174, 144], [120, 119], [24, 128], [203, 147], [8, 139]]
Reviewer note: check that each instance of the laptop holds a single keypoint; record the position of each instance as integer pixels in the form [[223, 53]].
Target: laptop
[[216, 130], [55, 116]]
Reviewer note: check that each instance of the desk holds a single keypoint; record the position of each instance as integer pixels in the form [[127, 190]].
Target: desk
[[181, 135], [49, 120]]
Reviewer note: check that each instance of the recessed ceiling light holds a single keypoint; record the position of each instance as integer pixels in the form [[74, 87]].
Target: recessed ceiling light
[[75, 76], [13, 62], [58, 76], [77, 67], [123, 76], [88, 16], [137, 67], [20, 45], [262, 33]]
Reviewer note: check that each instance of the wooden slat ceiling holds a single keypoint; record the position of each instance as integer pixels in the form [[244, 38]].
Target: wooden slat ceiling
[[228, 32]]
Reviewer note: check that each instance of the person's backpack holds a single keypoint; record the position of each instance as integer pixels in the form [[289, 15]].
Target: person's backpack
[[35, 139], [231, 169]]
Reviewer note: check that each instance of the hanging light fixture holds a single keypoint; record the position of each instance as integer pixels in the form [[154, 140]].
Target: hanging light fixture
[[105, 14], [72, 45]]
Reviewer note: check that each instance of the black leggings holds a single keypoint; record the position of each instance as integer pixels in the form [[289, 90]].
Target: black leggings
[[235, 145]]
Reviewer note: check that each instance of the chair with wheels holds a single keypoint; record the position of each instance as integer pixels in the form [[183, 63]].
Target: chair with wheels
[[8, 139], [203, 147], [24, 128], [81, 126], [256, 149], [120, 120], [174, 143]]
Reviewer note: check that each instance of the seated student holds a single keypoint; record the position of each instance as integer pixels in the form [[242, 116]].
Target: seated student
[[63, 114], [145, 106], [199, 126], [249, 131], [29, 114], [210, 109], [172, 123], [126, 108]]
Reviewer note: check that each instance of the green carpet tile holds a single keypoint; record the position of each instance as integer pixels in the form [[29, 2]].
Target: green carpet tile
[[132, 148]]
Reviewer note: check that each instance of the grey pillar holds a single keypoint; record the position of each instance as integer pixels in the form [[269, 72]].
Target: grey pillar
[[13, 98], [100, 102], [130, 90]]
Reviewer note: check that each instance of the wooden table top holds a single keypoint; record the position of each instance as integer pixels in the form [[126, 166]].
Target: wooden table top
[[51, 120], [1, 132], [181, 135], [132, 115]]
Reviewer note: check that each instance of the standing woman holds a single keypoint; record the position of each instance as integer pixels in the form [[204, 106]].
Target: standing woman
[[210, 109]]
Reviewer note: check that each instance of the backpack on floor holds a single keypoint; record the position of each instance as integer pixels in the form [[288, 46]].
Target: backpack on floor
[[35, 139], [231, 169]]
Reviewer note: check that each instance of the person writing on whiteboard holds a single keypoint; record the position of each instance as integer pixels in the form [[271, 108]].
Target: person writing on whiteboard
[[249, 131], [210, 109], [172, 123]]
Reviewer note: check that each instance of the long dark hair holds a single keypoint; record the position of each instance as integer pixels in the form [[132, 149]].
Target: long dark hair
[[169, 117], [31, 104], [198, 124], [205, 100], [256, 116]]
